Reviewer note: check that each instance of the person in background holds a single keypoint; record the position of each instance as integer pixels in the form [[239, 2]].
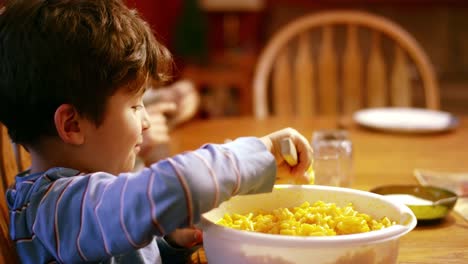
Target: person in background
[[72, 80], [167, 107], [182, 94]]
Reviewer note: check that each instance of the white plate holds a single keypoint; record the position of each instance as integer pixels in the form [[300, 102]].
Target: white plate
[[410, 120]]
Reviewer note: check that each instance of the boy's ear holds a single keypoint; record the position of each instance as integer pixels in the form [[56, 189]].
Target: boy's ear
[[67, 123]]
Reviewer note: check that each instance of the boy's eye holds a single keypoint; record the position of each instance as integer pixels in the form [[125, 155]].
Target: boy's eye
[[137, 107]]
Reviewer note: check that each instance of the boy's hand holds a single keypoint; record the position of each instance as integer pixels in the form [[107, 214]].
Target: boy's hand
[[185, 237], [296, 173]]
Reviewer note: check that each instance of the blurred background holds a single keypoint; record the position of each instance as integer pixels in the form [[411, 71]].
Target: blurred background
[[216, 42]]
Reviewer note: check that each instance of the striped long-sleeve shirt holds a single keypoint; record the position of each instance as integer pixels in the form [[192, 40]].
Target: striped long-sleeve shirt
[[65, 216]]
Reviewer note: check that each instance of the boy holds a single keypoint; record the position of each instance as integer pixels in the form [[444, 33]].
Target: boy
[[71, 84]]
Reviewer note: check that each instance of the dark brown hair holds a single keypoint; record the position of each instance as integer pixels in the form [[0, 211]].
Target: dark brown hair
[[78, 52]]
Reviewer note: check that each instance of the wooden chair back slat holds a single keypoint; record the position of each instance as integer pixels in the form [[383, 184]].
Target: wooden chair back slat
[[24, 160], [8, 164], [400, 81], [376, 75], [282, 84], [327, 77], [9, 168], [352, 64], [304, 78], [341, 81], [14, 159], [7, 247]]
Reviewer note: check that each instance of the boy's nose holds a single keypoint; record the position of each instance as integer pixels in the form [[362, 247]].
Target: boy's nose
[[145, 122]]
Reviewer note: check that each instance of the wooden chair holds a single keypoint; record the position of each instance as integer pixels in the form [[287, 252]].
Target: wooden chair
[[14, 159], [303, 71]]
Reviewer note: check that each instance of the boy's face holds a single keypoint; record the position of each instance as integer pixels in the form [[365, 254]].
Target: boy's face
[[113, 145]]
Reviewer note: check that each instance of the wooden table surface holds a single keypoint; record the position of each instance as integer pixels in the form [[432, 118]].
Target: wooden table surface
[[380, 158]]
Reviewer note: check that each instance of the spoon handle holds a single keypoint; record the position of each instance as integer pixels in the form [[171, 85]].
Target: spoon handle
[[288, 151], [447, 200]]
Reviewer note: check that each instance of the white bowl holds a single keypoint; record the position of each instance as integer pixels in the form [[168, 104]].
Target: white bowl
[[226, 245]]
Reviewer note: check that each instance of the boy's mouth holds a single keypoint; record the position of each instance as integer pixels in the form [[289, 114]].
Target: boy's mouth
[[137, 148]]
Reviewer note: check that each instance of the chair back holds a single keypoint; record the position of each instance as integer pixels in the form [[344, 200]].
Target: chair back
[[335, 62], [13, 159]]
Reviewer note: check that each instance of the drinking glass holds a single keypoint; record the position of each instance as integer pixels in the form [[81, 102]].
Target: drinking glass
[[333, 158]]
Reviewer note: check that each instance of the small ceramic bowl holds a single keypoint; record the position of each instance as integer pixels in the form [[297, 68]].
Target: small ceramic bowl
[[427, 202]]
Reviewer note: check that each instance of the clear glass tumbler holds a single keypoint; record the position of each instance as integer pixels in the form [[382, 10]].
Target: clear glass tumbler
[[333, 158]]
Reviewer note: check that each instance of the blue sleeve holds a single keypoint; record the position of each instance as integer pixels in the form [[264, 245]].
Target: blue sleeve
[[95, 216]]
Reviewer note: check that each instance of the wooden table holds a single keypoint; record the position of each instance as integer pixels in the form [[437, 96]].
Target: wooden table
[[379, 159]]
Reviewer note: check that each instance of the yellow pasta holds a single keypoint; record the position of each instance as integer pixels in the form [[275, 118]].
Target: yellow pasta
[[319, 219]]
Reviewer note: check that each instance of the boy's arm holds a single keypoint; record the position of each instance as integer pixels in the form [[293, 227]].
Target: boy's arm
[[93, 217]]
